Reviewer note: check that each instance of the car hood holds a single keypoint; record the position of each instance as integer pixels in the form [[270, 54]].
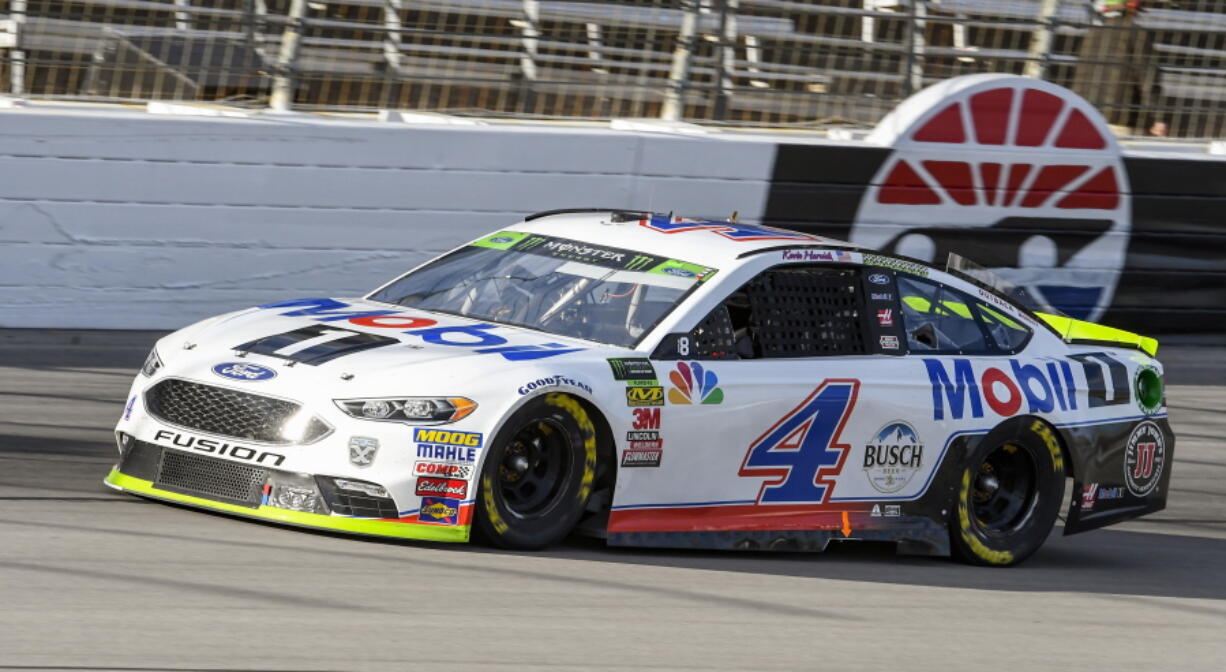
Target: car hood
[[353, 339]]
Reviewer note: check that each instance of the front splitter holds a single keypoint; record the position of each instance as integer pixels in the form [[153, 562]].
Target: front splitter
[[404, 528]]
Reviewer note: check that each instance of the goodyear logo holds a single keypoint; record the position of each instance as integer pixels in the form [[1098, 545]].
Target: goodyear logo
[[439, 511], [447, 437], [645, 396]]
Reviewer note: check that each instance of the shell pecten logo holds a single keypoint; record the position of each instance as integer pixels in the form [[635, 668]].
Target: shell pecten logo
[[694, 384]]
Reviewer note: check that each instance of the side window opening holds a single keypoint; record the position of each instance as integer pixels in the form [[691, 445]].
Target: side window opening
[[940, 319], [794, 311], [1005, 331]]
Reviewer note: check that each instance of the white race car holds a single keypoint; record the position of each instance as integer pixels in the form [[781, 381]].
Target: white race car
[[660, 382]]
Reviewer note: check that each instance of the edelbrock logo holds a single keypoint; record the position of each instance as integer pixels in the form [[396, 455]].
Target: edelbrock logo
[[244, 372]]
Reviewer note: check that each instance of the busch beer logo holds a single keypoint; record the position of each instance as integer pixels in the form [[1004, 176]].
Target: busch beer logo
[[1143, 459], [893, 456], [1024, 177]]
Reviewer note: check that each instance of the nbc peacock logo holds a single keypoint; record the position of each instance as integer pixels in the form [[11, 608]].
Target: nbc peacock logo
[[693, 384]]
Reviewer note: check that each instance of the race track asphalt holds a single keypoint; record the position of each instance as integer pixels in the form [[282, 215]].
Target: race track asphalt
[[95, 580]]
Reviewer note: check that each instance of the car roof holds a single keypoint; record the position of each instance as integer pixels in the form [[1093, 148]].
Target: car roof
[[713, 243]]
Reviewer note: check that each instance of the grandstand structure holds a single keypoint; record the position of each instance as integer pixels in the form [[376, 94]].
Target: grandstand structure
[[744, 62]]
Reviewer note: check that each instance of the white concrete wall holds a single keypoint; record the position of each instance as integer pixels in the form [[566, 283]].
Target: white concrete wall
[[138, 221]]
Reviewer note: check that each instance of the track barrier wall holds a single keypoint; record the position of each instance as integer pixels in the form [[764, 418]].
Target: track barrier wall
[[126, 220]]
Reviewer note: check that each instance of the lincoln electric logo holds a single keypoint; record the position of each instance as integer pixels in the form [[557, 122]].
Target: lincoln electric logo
[[1019, 175]]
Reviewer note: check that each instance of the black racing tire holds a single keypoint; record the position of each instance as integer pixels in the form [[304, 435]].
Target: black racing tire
[[1008, 495], [538, 474]]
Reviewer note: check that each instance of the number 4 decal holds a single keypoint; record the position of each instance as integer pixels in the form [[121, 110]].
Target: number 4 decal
[[802, 450]]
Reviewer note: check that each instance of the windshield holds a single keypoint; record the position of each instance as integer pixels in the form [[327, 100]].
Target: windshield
[[561, 286]]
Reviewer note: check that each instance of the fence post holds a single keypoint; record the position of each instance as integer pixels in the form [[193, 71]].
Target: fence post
[[913, 77], [287, 58], [1038, 54], [17, 57], [726, 63], [530, 33], [679, 74]]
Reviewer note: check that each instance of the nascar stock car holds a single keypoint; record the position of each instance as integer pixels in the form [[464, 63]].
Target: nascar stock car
[[662, 382]]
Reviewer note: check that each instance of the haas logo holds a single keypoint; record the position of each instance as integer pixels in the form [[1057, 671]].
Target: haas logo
[[1019, 175]]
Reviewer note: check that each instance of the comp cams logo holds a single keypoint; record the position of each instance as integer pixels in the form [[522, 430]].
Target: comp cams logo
[[1025, 178]]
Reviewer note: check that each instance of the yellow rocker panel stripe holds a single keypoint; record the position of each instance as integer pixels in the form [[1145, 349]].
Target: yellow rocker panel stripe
[[380, 528]]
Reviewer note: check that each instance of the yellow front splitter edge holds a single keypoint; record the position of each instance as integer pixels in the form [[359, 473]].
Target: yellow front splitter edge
[[378, 528]]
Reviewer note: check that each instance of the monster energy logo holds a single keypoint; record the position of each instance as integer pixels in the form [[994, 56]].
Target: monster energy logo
[[633, 368], [530, 243], [639, 261]]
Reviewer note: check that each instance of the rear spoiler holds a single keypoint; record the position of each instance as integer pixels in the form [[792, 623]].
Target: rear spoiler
[[1088, 333]]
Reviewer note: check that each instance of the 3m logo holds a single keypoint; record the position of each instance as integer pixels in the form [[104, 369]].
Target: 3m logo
[[646, 418], [1023, 175], [645, 396]]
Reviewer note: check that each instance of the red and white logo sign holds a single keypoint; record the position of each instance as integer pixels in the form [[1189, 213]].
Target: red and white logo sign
[[647, 418], [443, 469], [885, 317], [1019, 175], [1144, 458], [441, 487]]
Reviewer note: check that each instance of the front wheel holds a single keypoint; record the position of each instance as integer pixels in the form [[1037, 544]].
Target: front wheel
[[1009, 495], [538, 475]]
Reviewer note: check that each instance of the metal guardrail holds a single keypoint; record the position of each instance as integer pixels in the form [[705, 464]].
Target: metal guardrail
[[748, 62]]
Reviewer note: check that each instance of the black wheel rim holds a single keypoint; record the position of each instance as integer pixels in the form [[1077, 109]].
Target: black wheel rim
[[535, 468], [1005, 490]]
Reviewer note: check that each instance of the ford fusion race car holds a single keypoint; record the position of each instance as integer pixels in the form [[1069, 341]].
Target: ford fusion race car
[[660, 382]]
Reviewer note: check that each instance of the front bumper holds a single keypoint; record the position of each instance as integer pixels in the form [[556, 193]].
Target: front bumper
[[405, 525]]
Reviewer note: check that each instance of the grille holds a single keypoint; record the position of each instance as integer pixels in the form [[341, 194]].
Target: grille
[[211, 478], [347, 503], [226, 412]]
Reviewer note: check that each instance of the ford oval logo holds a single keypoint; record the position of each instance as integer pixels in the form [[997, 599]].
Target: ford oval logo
[[879, 279], [501, 239], [679, 272], [245, 372]]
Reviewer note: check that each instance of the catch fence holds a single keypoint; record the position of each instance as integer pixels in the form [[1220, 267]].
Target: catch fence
[[1160, 71]]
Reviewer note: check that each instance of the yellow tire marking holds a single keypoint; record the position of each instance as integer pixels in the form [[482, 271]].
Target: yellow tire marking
[[1053, 446], [588, 430], [964, 522], [491, 508]]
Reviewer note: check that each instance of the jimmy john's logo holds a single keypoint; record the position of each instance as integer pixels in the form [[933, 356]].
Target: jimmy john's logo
[[1025, 178], [645, 396], [219, 448]]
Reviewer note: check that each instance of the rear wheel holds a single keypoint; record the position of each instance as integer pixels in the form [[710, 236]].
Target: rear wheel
[[538, 475], [1009, 496]]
